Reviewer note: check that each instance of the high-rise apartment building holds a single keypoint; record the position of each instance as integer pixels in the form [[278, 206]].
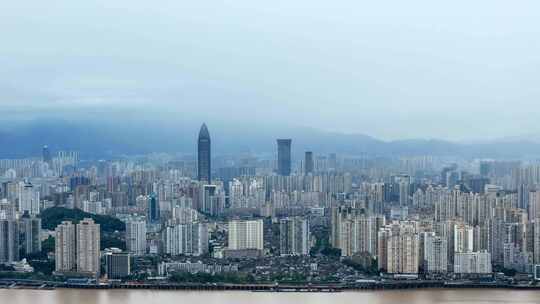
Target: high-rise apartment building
[[294, 236], [186, 239], [7, 209], [356, 235], [463, 238], [30, 229], [399, 248], [355, 232], [65, 247], [28, 199], [533, 204], [404, 183], [212, 199], [136, 237], [88, 247], [472, 263], [9, 241], [246, 234], [435, 253]]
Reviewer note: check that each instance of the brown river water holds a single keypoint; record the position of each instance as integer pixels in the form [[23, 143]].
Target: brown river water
[[427, 296]]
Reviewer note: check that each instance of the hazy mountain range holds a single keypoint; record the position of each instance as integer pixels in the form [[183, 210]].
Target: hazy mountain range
[[111, 138]]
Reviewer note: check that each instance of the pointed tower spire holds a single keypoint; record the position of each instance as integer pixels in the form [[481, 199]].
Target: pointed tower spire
[[204, 157]]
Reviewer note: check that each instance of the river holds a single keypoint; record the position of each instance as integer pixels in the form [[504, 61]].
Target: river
[[428, 296]]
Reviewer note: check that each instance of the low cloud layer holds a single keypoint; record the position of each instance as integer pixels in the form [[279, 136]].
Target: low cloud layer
[[398, 69]]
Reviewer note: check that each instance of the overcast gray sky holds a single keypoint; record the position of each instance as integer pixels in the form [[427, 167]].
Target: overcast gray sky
[[391, 69]]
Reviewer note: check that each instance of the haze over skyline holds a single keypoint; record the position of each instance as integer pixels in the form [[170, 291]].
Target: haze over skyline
[[417, 69]]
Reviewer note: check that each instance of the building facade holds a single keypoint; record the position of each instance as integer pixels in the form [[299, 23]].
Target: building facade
[[186, 239], [294, 236], [136, 237], [65, 247], [472, 263], [118, 265], [9, 241], [246, 234], [30, 229], [435, 253]]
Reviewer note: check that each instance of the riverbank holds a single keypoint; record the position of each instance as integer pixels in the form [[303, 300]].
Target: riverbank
[[327, 288]]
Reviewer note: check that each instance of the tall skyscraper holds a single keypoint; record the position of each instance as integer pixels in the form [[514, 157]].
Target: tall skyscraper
[[153, 209], [136, 237], [46, 155], [88, 243], [65, 247], [308, 163], [204, 155], [284, 157]]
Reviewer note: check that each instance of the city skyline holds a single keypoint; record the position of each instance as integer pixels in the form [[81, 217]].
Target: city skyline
[[425, 218], [184, 147]]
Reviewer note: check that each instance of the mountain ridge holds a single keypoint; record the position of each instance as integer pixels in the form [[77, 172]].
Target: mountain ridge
[[109, 138]]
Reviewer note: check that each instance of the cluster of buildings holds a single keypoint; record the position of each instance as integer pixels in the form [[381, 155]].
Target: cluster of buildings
[[417, 215], [19, 235]]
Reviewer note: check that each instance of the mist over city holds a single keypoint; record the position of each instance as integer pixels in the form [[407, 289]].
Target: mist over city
[[405, 70]]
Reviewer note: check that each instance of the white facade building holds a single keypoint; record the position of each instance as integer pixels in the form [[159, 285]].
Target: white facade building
[[186, 239], [246, 234], [65, 247], [88, 247], [28, 199], [136, 237], [472, 263]]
